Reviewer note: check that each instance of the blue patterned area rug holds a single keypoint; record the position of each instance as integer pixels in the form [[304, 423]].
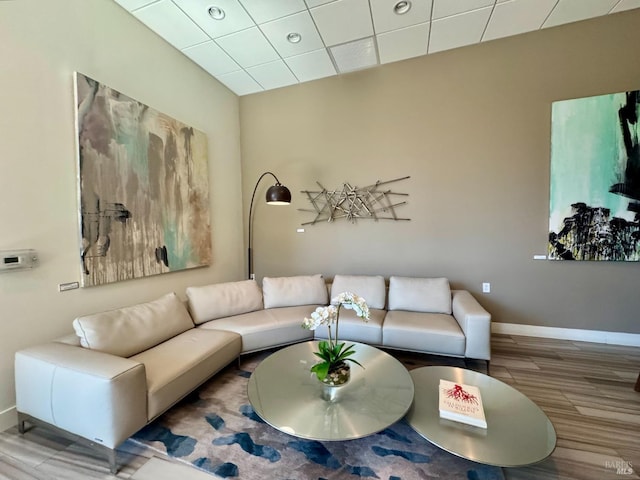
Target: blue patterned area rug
[[216, 430]]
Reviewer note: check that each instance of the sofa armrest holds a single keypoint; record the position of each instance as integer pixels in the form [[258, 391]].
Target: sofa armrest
[[475, 322], [95, 395]]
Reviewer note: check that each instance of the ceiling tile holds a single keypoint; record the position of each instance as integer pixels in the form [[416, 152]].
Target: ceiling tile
[[262, 11], [240, 83], [459, 30], [343, 21], [133, 4], [248, 47], [626, 5], [311, 65], [517, 16], [575, 10], [253, 33], [355, 55], [171, 23], [404, 43], [385, 19], [235, 19], [315, 3], [272, 75], [212, 58], [277, 31], [446, 8]]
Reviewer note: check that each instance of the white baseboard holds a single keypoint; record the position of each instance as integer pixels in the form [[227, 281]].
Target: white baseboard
[[594, 336], [8, 418]]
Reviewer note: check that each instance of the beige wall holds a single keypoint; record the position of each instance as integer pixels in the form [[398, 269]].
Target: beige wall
[[472, 129], [41, 44]]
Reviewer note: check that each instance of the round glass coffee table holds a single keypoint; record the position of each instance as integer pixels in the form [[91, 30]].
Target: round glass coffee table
[[286, 395], [518, 432]]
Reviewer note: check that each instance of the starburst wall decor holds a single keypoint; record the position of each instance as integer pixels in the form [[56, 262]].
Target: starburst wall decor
[[353, 203]]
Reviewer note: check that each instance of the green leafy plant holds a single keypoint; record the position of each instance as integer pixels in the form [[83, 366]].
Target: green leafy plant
[[332, 355], [331, 351]]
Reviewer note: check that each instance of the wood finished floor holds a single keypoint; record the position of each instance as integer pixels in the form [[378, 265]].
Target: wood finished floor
[[586, 389]]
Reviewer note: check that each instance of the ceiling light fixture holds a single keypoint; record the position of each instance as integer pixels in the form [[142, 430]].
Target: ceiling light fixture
[[401, 8], [217, 13], [294, 37]]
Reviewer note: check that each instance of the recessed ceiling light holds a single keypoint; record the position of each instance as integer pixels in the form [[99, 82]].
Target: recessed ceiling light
[[294, 37], [401, 8], [217, 13]]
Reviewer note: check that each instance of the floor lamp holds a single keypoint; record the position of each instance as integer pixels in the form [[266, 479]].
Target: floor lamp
[[277, 194]]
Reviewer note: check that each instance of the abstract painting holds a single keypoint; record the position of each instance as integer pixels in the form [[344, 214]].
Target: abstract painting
[[595, 178], [143, 188]]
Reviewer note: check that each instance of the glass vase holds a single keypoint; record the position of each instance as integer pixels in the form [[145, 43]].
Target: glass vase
[[337, 377]]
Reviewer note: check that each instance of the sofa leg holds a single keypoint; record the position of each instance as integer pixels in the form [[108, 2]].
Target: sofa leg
[[22, 419], [476, 365], [110, 453], [113, 466]]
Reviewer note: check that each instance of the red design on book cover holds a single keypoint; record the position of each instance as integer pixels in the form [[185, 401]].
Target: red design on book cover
[[459, 393]]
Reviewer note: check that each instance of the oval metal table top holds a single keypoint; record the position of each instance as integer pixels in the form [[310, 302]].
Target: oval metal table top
[[518, 432], [286, 395]]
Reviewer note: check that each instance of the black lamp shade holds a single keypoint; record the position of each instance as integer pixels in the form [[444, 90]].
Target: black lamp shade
[[278, 195]]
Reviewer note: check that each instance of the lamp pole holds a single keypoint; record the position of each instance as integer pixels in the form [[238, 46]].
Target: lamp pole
[[277, 194]]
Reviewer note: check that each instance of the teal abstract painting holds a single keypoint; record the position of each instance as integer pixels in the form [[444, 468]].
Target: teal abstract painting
[[595, 178], [143, 188]]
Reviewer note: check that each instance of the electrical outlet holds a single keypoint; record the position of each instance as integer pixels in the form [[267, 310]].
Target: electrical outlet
[[486, 287]]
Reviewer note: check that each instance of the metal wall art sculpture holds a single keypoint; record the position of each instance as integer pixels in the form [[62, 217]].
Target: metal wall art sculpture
[[595, 178], [353, 203], [144, 188]]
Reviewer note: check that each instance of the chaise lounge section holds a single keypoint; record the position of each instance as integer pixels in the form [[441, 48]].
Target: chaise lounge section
[[124, 368]]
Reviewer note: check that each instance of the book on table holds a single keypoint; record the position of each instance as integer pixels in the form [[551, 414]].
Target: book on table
[[461, 403]]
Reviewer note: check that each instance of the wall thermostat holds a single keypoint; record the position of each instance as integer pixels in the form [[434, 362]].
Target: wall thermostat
[[11, 260]]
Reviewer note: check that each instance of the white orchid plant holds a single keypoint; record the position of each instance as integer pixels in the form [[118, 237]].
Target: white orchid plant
[[332, 352]]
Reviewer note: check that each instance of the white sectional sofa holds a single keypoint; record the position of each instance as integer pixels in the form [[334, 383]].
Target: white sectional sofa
[[124, 368]]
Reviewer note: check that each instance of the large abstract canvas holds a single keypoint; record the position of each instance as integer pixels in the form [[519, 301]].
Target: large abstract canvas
[[595, 178], [143, 188]]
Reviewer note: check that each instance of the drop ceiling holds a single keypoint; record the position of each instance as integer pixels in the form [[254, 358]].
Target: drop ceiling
[[257, 45]]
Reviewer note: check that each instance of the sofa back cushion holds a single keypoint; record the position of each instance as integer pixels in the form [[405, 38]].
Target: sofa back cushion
[[369, 287], [222, 300], [430, 295], [294, 291], [130, 330]]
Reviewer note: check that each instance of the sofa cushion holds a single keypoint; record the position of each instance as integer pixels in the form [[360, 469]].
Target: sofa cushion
[[223, 300], [430, 295], [294, 291], [177, 366], [423, 332], [353, 329], [369, 287], [131, 330], [266, 328]]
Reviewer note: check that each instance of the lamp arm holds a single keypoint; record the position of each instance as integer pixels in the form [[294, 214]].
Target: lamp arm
[[249, 250]]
